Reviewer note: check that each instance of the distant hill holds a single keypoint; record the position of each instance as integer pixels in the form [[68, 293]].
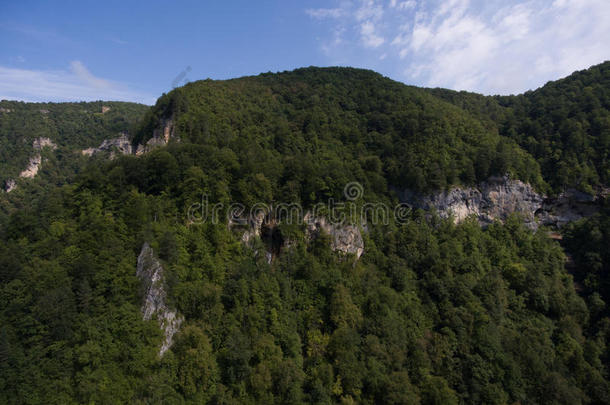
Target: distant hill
[[70, 126]]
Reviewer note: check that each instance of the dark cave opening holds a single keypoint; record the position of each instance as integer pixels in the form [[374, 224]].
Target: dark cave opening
[[272, 238]]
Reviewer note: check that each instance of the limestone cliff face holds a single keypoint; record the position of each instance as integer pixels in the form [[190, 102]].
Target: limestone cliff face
[[33, 166], [161, 137], [571, 205], [121, 144], [34, 162], [500, 197], [344, 238], [40, 143], [10, 185], [492, 200], [150, 272]]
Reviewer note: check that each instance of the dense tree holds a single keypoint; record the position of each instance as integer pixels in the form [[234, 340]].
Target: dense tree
[[433, 312]]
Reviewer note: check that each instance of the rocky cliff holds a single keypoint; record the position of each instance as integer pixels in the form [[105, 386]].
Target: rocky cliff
[[10, 185], [121, 144], [150, 272], [33, 166], [344, 238], [40, 143], [500, 197], [34, 162], [161, 137]]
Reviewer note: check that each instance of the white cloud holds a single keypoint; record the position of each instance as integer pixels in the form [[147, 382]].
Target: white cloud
[[86, 77], [321, 13], [369, 10], [403, 5], [369, 36], [119, 41], [76, 84], [489, 46]]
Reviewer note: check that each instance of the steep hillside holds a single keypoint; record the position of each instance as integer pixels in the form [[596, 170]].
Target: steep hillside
[[409, 138], [69, 127], [147, 280], [565, 125]]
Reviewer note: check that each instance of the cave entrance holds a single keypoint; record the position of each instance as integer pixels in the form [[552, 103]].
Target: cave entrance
[[272, 238]]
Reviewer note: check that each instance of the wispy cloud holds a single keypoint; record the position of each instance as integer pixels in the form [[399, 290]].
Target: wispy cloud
[[488, 46], [118, 41], [321, 13], [369, 35], [74, 84]]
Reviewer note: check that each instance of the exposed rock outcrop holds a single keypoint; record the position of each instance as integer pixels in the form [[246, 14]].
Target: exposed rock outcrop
[[121, 144], [40, 143], [10, 185], [344, 238], [33, 166], [568, 206], [150, 272], [161, 137], [33, 163], [254, 227], [500, 197], [492, 200]]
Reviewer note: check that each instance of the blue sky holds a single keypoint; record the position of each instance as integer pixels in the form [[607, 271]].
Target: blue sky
[[134, 51]]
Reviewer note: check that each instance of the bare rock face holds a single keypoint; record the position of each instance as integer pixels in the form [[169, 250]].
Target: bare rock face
[[161, 137], [345, 238], [34, 162], [122, 144], [10, 185], [33, 166], [492, 200], [150, 272], [255, 226], [500, 197], [40, 143], [571, 205]]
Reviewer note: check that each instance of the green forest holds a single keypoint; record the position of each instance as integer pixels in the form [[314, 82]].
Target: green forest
[[432, 313]]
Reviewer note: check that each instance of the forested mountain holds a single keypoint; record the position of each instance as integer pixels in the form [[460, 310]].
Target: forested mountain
[[432, 312], [565, 125], [70, 127]]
